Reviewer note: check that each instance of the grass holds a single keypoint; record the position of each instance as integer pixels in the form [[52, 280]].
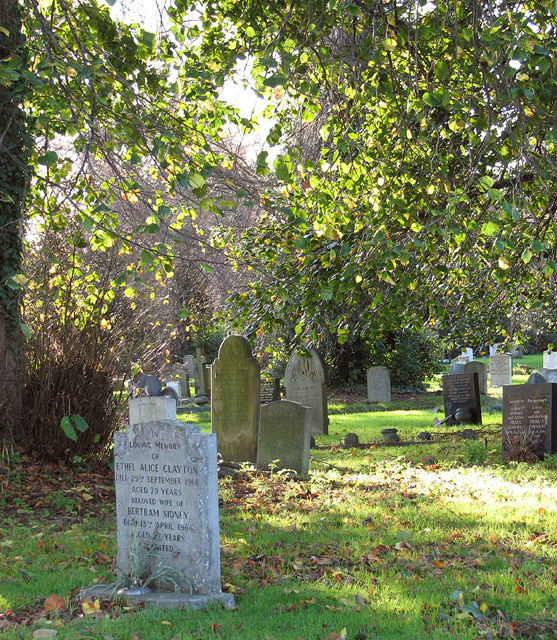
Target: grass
[[420, 540]]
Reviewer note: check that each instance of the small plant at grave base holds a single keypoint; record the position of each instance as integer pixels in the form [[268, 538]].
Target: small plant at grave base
[[475, 453], [429, 461], [141, 575], [550, 461]]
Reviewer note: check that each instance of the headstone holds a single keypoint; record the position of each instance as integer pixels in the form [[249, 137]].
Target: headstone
[[461, 359], [190, 366], [167, 499], [456, 368], [174, 384], [500, 370], [469, 352], [180, 374], [151, 408], [516, 351], [549, 375], [536, 378], [306, 381], [269, 390], [481, 369], [284, 436], [202, 391], [378, 384], [550, 359], [462, 391], [235, 400], [494, 349], [529, 420]]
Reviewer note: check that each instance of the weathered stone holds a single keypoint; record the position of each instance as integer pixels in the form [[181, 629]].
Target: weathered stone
[[167, 502], [481, 369], [550, 359], [529, 420], [284, 436], [235, 400], [350, 441], [151, 408], [378, 384], [500, 370], [306, 381], [536, 378]]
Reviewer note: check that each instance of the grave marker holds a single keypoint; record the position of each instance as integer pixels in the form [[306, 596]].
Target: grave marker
[[151, 408], [500, 370], [284, 435], [235, 400], [269, 390], [481, 369], [462, 391], [306, 381], [378, 384], [550, 359], [167, 496], [529, 420]]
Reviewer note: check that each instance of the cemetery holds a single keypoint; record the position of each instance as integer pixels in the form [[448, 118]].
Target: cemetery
[[349, 536], [277, 320]]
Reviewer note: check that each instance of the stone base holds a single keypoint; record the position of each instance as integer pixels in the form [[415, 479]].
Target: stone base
[[162, 599]]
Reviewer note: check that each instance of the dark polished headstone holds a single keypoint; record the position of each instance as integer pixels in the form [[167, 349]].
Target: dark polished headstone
[[269, 390], [529, 420], [462, 391]]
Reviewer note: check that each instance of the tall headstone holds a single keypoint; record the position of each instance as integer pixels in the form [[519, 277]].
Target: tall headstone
[[306, 382], [516, 351], [500, 370], [180, 374], [202, 391], [462, 391], [469, 353], [494, 349], [284, 436], [550, 359], [378, 384], [269, 390], [167, 501], [235, 400], [151, 408], [190, 366], [481, 369], [549, 375], [456, 367], [529, 420]]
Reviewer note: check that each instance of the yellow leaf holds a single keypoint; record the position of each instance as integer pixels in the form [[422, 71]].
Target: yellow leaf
[[166, 622], [91, 607], [483, 607], [87, 496], [503, 263]]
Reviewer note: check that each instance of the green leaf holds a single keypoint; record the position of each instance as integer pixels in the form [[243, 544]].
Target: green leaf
[[249, 33], [275, 81], [526, 256], [301, 243], [389, 44], [5, 31], [67, 428], [474, 609], [80, 423], [441, 70], [48, 159], [537, 246], [298, 329], [196, 180], [206, 268], [146, 258], [25, 329], [326, 293], [490, 228]]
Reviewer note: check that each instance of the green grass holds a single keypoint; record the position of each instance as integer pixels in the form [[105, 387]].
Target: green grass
[[418, 541]]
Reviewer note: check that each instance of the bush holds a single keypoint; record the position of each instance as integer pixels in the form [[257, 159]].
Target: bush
[[412, 356]]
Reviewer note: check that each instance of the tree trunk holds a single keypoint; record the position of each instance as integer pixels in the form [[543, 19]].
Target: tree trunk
[[13, 154]]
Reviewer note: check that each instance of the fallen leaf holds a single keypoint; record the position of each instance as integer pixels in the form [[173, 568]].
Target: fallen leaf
[[87, 496], [54, 603], [91, 607], [167, 623]]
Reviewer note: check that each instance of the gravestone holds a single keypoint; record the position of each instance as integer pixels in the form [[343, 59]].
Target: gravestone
[[469, 353], [461, 359], [269, 390], [378, 384], [180, 374], [306, 381], [536, 378], [235, 400], [190, 366], [462, 391], [202, 389], [550, 359], [494, 349], [151, 408], [456, 368], [516, 351], [284, 436], [529, 420], [500, 370], [167, 498], [549, 375], [175, 384], [481, 369]]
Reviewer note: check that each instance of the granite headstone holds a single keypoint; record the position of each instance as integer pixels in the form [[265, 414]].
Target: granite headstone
[[462, 391], [529, 420], [378, 384], [481, 369], [269, 390]]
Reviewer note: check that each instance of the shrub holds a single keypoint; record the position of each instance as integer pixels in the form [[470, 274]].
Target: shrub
[[412, 356]]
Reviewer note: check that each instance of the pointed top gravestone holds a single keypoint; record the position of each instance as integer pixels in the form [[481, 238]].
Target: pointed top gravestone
[[235, 400], [306, 381]]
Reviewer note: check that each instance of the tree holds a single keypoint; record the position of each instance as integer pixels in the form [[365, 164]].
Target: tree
[[434, 191]]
